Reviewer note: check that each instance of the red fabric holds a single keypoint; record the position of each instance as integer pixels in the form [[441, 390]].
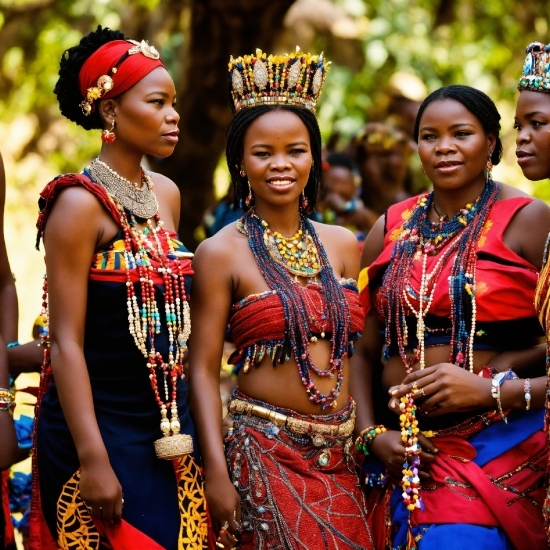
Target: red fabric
[[54, 187], [290, 501], [8, 533], [486, 503], [505, 281], [128, 73], [123, 536], [262, 318]]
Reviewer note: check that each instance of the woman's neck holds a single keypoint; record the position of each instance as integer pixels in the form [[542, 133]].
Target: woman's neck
[[447, 203], [125, 163], [285, 219]]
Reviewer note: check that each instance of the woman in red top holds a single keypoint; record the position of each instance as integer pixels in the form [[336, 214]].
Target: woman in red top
[[451, 280]]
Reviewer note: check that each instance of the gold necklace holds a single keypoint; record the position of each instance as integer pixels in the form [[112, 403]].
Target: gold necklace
[[297, 254]]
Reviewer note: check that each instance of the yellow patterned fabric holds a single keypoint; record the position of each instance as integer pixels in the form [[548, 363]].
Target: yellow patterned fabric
[[194, 519], [112, 258], [75, 527]]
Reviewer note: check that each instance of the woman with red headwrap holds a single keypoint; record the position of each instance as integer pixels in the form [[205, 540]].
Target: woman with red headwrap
[[115, 463]]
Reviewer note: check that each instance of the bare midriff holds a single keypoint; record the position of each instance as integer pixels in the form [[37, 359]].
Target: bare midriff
[[281, 386]]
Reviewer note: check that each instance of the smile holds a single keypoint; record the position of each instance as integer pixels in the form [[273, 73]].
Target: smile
[[280, 183]]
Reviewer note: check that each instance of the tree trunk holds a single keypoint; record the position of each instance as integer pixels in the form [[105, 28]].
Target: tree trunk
[[219, 28]]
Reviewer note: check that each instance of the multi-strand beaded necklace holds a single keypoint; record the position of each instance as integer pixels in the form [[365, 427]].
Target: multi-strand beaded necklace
[[278, 275], [150, 252], [418, 239]]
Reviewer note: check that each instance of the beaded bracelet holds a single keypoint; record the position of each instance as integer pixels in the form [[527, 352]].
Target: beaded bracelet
[[496, 382], [527, 391], [7, 399], [363, 442]]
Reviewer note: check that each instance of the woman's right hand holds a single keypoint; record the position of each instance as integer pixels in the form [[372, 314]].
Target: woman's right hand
[[389, 448], [224, 504], [101, 490]]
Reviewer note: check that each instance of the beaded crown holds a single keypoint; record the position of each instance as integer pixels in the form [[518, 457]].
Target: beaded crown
[[290, 79], [536, 68]]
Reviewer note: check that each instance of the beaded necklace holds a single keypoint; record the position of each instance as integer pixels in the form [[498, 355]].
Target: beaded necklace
[[420, 238], [298, 253], [336, 310], [150, 252]]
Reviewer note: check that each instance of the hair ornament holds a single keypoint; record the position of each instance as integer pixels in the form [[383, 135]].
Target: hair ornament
[[143, 47], [290, 79], [536, 68], [105, 83]]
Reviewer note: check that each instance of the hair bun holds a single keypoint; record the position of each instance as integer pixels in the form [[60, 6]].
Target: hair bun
[[67, 87]]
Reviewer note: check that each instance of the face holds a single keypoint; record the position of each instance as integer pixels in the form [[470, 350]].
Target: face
[[340, 181], [277, 158], [145, 116], [532, 121], [453, 146]]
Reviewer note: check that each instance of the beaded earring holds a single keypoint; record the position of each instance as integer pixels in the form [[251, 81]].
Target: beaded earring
[[108, 136], [304, 203], [249, 198]]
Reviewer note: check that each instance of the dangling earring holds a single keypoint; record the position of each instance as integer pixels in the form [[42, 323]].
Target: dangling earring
[[249, 198], [108, 136], [489, 167], [304, 203]]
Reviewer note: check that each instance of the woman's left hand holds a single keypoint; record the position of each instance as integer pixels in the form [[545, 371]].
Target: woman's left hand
[[443, 388]]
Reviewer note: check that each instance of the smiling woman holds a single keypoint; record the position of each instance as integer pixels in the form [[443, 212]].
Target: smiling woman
[[115, 461], [287, 286], [451, 282]]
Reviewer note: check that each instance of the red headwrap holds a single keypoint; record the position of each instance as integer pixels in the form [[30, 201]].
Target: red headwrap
[[126, 63]]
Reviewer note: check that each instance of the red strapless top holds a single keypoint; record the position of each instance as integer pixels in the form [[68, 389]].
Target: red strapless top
[[259, 319]]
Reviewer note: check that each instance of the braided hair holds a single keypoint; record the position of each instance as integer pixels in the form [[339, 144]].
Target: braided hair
[[67, 88], [234, 149], [477, 102]]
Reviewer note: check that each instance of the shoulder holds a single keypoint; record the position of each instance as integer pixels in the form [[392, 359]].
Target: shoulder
[[164, 185], [374, 243], [335, 233], [77, 201], [533, 209], [223, 247]]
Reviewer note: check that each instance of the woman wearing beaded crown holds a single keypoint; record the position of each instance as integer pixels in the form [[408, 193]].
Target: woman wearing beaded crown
[[451, 280], [114, 445], [285, 284], [532, 122]]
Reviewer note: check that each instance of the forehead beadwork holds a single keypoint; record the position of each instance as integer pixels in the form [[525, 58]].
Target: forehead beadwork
[[536, 68], [291, 79]]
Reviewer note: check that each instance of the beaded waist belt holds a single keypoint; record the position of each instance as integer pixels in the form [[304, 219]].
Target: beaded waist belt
[[294, 425]]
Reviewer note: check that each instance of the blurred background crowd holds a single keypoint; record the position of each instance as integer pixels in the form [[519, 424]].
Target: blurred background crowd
[[387, 55]]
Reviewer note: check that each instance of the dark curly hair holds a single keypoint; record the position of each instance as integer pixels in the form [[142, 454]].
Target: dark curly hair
[[67, 88], [234, 149], [477, 102]]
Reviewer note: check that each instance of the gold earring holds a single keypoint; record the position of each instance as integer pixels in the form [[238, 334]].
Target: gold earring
[[250, 197]]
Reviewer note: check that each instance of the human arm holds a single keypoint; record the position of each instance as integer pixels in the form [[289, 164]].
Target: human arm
[[211, 302], [69, 246], [8, 448], [8, 295], [387, 446], [25, 358]]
